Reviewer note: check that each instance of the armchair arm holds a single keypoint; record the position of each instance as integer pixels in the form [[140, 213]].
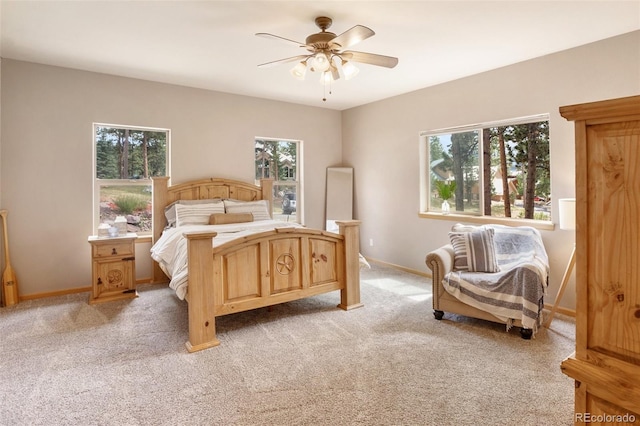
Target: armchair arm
[[440, 262]]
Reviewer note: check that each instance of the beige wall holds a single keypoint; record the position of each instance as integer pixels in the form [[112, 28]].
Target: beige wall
[[1, 135], [45, 152], [46, 155], [384, 136]]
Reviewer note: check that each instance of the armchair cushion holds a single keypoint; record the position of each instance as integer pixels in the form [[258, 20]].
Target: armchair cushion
[[474, 251]]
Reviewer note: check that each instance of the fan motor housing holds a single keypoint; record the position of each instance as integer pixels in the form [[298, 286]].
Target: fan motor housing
[[320, 40]]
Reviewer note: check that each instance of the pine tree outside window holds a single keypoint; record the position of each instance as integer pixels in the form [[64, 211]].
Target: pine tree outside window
[[125, 159]]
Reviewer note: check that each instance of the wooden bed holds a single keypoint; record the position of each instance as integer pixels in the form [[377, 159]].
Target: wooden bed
[[259, 270]]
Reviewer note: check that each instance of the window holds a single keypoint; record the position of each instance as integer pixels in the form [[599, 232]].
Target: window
[[498, 169], [278, 159], [125, 159]]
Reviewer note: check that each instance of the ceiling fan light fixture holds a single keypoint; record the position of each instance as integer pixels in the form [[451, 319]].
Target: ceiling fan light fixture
[[349, 70], [300, 70], [328, 54], [326, 77], [320, 62]]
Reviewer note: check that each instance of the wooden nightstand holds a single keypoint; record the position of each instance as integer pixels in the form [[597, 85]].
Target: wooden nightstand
[[113, 266]]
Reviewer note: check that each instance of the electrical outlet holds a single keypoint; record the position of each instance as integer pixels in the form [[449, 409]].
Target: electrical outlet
[[370, 242]]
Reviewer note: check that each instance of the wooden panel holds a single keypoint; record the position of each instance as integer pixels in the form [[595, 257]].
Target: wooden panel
[[602, 412], [286, 269], [608, 378], [210, 192], [186, 194], [201, 192], [242, 274], [323, 261], [113, 275], [211, 188], [613, 269], [243, 194]]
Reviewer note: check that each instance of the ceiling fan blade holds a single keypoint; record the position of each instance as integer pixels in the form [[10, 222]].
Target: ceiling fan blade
[[283, 61], [286, 40], [352, 36], [370, 58]]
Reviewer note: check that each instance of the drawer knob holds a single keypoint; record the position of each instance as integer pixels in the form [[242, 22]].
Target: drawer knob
[[114, 251]]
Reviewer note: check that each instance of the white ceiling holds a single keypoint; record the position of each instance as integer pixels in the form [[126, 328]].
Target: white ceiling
[[212, 44]]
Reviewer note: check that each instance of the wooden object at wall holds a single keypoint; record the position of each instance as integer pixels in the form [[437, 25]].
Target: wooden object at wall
[[606, 363], [113, 268], [9, 279]]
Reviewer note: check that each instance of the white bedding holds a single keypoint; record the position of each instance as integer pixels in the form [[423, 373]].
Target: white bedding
[[170, 251]]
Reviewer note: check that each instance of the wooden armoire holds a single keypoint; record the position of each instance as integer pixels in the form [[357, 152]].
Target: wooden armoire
[[606, 363]]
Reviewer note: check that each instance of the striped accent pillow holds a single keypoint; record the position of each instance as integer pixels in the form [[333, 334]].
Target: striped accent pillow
[[474, 251], [197, 214], [170, 210], [259, 209]]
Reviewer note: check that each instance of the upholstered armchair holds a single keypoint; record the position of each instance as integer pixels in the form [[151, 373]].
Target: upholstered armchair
[[511, 293]]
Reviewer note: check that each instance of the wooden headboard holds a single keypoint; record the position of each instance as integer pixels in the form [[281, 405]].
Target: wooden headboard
[[203, 189]]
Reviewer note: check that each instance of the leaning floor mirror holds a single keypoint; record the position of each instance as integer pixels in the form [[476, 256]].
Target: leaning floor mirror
[[339, 203]]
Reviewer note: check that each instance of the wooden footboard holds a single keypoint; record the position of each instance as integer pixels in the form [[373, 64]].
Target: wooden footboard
[[266, 269]]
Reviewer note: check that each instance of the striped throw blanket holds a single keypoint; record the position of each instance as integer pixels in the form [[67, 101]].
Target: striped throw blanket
[[517, 290]]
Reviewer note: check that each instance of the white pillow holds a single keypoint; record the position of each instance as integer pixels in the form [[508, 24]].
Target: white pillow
[[196, 214], [170, 210], [259, 209]]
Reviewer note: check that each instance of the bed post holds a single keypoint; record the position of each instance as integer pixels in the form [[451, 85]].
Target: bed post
[[159, 190], [267, 193], [350, 294], [200, 295]]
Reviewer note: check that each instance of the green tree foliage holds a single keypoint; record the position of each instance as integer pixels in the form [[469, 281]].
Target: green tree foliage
[[528, 148], [464, 150], [130, 154], [436, 152]]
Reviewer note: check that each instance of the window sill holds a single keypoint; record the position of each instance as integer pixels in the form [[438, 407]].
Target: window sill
[[538, 224]]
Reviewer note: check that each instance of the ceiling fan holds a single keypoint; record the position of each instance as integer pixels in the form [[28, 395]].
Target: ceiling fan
[[327, 53]]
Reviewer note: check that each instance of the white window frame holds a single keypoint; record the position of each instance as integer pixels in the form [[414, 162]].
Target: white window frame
[[472, 217], [98, 183]]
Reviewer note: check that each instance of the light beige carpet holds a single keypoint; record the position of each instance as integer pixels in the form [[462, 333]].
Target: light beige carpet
[[63, 362]]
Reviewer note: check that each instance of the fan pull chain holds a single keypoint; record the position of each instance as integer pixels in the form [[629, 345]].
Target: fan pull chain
[[324, 88]]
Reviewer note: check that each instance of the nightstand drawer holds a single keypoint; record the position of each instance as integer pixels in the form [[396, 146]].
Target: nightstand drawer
[[113, 249]]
